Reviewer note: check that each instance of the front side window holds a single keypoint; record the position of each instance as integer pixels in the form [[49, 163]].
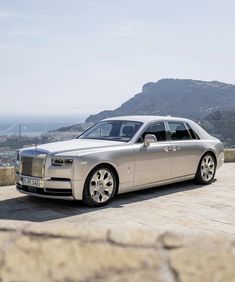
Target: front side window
[[157, 129], [178, 131], [114, 130]]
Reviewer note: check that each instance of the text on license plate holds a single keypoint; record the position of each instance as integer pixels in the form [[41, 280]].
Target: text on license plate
[[32, 182]]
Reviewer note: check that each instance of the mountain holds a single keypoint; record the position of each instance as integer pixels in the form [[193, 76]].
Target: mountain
[[177, 97], [222, 125]]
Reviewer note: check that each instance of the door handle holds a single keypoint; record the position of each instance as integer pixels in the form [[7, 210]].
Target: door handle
[[175, 148], [168, 149]]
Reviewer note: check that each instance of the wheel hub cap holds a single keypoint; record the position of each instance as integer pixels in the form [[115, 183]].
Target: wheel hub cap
[[100, 185]]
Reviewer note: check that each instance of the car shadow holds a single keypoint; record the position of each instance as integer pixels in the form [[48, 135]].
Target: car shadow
[[34, 209]]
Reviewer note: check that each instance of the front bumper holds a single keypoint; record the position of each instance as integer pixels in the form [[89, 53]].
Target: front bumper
[[51, 188]]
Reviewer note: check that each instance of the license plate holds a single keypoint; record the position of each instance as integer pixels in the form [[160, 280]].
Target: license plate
[[32, 182], [32, 189]]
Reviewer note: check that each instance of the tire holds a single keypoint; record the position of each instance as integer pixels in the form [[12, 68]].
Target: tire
[[206, 169], [100, 186]]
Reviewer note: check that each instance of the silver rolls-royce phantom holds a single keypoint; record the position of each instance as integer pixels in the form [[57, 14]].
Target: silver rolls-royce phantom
[[119, 155]]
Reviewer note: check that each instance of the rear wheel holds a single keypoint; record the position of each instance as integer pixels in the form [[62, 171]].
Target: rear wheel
[[206, 169], [100, 187]]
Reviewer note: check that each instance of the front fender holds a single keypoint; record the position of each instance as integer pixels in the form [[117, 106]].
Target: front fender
[[122, 160]]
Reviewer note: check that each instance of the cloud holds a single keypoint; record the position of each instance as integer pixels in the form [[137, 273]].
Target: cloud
[[97, 4], [119, 30], [21, 33], [17, 48], [37, 33], [142, 51], [6, 14]]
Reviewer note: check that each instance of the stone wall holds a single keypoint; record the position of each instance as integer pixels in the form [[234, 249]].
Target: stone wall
[[7, 176], [44, 252], [229, 155]]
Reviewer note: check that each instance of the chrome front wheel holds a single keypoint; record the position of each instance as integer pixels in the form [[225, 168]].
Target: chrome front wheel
[[100, 187]]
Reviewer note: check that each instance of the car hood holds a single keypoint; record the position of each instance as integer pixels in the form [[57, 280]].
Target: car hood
[[74, 145]]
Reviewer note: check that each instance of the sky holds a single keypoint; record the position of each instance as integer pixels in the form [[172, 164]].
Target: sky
[[78, 57]]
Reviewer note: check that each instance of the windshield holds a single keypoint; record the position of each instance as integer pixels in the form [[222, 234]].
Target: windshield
[[114, 130]]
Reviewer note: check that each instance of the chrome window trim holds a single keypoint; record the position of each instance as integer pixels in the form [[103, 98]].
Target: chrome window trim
[[148, 125]]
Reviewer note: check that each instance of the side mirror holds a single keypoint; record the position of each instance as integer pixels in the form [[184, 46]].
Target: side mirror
[[148, 139]]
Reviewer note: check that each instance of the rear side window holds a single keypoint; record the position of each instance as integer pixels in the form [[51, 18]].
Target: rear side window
[[178, 131], [192, 132]]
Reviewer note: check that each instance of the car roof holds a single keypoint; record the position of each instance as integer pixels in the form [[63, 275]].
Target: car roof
[[146, 119]]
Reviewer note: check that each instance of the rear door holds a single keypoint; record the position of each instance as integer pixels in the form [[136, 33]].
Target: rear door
[[185, 149]]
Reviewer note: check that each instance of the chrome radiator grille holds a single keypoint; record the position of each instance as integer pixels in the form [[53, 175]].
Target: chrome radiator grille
[[32, 166]]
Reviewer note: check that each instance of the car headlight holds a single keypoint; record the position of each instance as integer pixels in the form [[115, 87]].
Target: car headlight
[[61, 161]]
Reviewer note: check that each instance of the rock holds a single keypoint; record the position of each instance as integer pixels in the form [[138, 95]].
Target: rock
[[194, 264], [7, 176], [170, 240], [51, 252]]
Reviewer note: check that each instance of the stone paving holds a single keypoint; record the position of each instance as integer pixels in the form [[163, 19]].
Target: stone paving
[[182, 206]]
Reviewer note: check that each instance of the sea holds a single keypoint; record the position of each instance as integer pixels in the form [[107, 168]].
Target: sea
[[34, 126], [29, 129]]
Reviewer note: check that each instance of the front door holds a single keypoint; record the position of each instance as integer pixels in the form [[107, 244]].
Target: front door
[[153, 163]]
